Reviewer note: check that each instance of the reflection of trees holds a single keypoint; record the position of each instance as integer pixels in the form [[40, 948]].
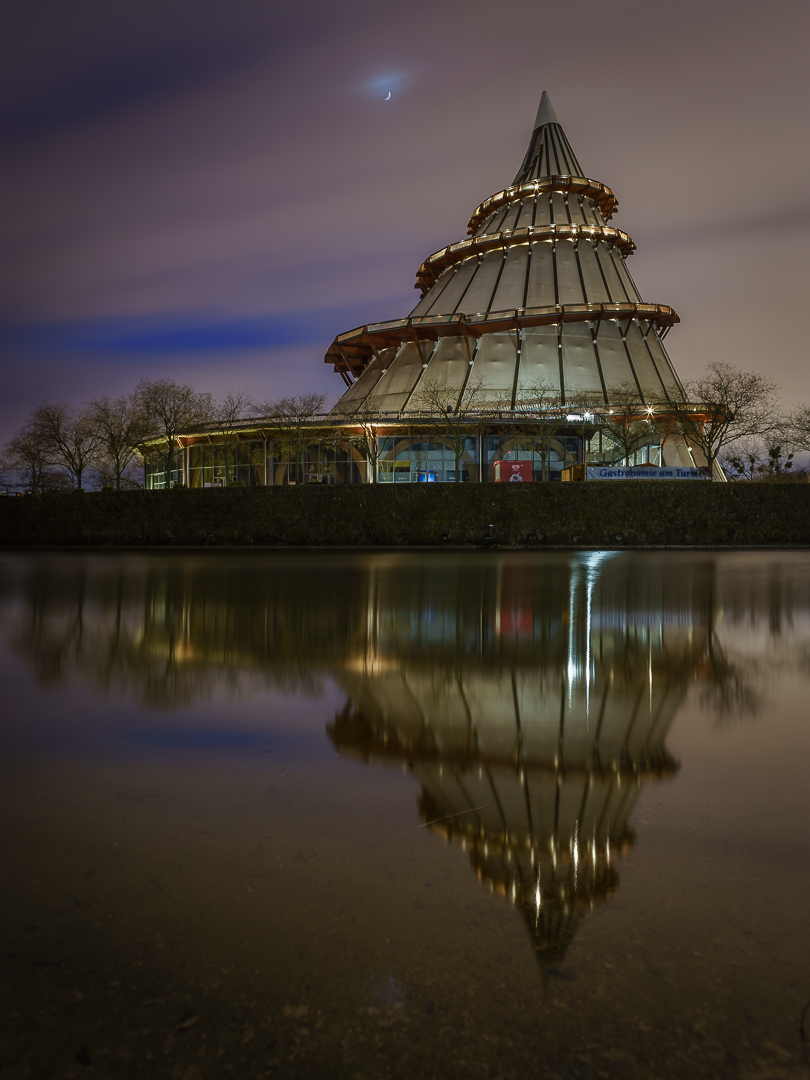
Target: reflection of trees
[[173, 629], [530, 698], [170, 631], [726, 688]]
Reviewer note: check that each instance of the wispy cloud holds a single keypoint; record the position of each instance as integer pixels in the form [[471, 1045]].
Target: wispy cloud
[[165, 336]]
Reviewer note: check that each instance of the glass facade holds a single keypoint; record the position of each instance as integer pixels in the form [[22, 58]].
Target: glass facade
[[155, 471], [325, 461], [551, 454], [259, 463], [406, 458], [218, 466], [413, 459]]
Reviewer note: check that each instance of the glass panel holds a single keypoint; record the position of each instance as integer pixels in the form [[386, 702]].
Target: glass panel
[[448, 367], [594, 285], [256, 466], [433, 293], [359, 390], [558, 208], [195, 459], [590, 213], [612, 356], [450, 297], [484, 226], [541, 166], [495, 368], [526, 214], [575, 210], [627, 282], [478, 296], [496, 223], [539, 361], [403, 371], [615, 289], [541, 276], [420, 460], [156, 473], [569, 287], [552, 167], [579, 363], [512, 285], [543, 212], [646, 371], [566, 161], [662, 361], [511, 217]]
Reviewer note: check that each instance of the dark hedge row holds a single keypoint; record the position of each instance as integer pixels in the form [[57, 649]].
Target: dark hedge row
[[588, 515]]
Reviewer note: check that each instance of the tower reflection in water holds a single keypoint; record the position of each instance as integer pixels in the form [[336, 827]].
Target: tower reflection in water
[[532, 726], [529, 695]]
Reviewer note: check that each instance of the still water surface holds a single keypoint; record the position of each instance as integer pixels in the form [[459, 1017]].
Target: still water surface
[[400, 815]]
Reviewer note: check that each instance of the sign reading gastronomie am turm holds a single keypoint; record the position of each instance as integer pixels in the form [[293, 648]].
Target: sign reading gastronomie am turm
[[600, 472]]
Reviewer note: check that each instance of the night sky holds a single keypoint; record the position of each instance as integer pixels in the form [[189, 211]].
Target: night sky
[[211, 191]]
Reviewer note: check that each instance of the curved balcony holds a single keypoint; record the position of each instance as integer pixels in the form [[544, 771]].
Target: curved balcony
[[352, 351], [434, 266], [577, 185]]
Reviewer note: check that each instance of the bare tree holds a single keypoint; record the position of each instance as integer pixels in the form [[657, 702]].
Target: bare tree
[[24, 455], [8, 475], [169, 409], [743, 461], [292, 418], [725, 405], [67, 436], [228, 416], [104, 478], [451, 412], [779, 459], [797, 432], [366, 419], [121, 426], [626, 420], [538, 404]]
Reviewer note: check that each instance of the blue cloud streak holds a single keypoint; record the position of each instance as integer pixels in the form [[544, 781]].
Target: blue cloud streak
[[176, 335]]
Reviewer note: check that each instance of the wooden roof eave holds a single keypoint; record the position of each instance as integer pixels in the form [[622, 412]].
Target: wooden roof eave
[[353, 350], [600, 193], [434, 266]]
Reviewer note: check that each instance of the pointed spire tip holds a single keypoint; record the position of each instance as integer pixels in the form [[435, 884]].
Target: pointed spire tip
[[545, 113]]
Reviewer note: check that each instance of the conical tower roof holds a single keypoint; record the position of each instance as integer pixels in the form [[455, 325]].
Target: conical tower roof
[[549, 152], [539, 295]]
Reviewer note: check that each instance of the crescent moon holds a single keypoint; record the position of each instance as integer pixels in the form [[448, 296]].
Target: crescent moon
[[389, 96]]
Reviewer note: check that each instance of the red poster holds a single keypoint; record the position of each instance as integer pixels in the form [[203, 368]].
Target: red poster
[[511, 471]]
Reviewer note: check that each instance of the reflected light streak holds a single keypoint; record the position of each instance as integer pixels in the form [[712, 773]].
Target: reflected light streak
[[593, 563]]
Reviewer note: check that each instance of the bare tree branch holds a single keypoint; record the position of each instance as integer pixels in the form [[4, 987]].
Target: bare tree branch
[[367, 420], [624, 421], [67, 437], [292, 418], [169, 409], [731, 404], [538, 404], [451, 412], [120, 425], [228, 415]]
